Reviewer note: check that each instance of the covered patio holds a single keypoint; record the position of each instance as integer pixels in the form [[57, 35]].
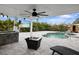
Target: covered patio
[[20, 47]]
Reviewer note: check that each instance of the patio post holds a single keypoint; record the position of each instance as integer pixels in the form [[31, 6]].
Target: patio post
[[31, 28]]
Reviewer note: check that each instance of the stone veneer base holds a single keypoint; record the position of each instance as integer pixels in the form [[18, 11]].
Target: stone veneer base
[[8, 37]]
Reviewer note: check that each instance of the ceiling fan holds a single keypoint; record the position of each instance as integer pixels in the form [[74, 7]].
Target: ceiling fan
[[33, 14], [36, 14]]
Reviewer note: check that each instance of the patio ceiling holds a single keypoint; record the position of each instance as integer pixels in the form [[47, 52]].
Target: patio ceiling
[[51, 9]]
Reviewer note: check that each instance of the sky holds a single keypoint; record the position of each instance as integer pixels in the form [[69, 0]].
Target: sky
[[65, 19]]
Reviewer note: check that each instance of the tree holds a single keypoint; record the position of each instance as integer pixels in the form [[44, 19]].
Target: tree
[[7, 25]]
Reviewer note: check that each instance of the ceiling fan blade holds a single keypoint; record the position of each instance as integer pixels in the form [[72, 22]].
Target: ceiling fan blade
[[43, 15], [41, 12], [27, 11]]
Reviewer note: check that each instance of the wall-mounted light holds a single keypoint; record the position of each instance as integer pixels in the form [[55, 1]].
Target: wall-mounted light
[[2, 14]]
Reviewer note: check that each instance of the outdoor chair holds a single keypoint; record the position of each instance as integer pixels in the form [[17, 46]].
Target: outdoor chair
[[64, 50]]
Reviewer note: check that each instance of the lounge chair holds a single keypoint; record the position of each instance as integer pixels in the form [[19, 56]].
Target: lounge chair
[[64, 50]]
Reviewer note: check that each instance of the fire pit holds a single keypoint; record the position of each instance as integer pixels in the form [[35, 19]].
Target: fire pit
[[33, 42]]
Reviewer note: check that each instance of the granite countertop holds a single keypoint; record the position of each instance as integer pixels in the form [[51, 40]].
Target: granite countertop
[[7, 32]]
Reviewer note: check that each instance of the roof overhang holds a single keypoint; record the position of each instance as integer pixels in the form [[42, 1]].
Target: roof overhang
[[51, 9]]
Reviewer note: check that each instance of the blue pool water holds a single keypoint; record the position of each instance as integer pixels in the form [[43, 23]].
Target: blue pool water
[[55, 35]]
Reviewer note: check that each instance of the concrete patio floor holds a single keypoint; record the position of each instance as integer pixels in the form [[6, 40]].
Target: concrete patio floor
[[20, 48]]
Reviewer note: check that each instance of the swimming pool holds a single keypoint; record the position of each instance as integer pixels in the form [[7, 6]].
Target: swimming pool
[[55, 35]]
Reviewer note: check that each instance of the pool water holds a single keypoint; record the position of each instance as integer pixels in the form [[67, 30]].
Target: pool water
[[55, 35]]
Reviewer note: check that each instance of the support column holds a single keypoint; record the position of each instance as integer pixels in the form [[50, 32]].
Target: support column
[[31, 28]]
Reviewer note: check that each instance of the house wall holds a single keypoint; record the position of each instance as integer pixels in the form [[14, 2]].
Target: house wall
[[76, 28]]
